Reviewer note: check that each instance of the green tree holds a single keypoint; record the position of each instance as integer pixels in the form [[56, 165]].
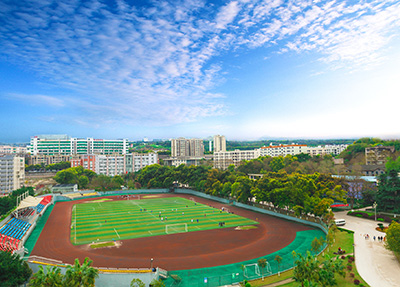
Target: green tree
[[13, 270], [262, 263], [393, 237], [388, 195], [316, 245], [117, 179], [51, 278], [83, 181], [137, 283], [278, 260], [157, 283], [66, 176], [81, 275]]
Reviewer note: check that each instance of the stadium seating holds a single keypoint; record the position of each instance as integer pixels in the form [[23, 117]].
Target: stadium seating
[[12, 233]]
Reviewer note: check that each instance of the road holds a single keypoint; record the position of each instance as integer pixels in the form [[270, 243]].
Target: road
[[375, 264]]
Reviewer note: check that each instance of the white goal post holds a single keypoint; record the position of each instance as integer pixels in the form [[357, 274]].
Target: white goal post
[[176, 228]]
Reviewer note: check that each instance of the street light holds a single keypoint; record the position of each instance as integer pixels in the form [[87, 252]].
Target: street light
[[151, 263], [374, 206]]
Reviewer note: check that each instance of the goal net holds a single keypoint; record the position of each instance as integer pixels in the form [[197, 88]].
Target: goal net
[[176, 228], [251, 271]]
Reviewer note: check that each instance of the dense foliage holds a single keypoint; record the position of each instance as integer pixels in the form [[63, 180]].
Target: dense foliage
[[14, 271], [388, 195], [393, 237], [312, 193], [50, 167], [8, 203], [76, 275]]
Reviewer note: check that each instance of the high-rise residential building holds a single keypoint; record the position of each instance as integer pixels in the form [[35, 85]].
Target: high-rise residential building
[[182, 147], [12, 172], [224, 159], [64, 145], [137, 161], [219, 143], [327, 149], [47, 159]]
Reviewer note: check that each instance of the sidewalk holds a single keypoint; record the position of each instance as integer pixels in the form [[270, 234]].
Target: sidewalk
[[375, 264]]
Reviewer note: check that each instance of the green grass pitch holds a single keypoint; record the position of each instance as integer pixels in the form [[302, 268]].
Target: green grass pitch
[[125, 219]]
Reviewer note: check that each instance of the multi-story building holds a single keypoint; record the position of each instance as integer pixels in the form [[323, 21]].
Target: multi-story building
[[327, 149], [282, 150], [224, 159], [137, 161], [182, 147], [114, 164], [64, 145], [12, 172], [219, 143], [378, 155], [47, 159], [12, 149]]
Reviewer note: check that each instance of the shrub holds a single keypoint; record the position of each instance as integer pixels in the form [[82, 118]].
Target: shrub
[[343, 257], [351, 259], [352, 275], [247, 284], [356, 282], [380, 219], [359, 215], [349, 267]]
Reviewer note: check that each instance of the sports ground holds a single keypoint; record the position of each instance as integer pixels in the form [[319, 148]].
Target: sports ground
[[206, 247], [109, 220]]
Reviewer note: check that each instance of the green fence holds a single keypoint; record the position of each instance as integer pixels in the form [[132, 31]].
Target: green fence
[[233, 273]]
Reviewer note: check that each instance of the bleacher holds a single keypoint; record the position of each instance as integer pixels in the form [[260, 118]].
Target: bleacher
[[43, 203], [15, 228]]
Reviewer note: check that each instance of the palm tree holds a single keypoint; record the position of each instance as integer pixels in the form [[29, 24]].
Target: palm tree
[[81, 275], [262, 263], [137, 283], [278, 259], [51, 278]]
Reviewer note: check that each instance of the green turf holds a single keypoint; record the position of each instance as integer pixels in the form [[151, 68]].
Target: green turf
[[126, 219]]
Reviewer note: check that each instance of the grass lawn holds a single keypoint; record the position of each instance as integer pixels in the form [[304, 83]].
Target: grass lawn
[[344, 240], [126, 219]]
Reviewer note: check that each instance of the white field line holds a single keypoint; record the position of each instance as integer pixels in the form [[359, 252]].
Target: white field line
[[117, 233]]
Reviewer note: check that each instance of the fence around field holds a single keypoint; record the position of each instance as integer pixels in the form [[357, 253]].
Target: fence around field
[[210, 277]]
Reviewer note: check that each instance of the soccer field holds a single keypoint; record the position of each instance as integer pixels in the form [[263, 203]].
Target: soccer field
[[102, 220]]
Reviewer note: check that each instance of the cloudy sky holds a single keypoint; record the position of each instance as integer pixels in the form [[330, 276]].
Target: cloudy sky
[[246, 69]]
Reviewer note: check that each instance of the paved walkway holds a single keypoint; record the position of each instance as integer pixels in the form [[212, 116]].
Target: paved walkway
[[375, 264]]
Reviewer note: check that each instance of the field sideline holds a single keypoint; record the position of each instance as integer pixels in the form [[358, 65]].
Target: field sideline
[[126, 219]]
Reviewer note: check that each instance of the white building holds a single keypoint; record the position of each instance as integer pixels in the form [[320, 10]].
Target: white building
[[12, 149], [283, 150], [224, 159], [137, 161], [219, 143], [327, 149], [64, 145], [12, 172]]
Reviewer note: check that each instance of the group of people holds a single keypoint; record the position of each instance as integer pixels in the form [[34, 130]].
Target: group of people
[[380, 238]]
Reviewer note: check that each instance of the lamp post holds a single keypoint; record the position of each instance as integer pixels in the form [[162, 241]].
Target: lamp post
[[374, 206], [151, 263]]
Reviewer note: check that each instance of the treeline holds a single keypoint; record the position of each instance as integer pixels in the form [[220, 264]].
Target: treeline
[[50, 167], [305, 193], [8, 203], [87, 179], [300, 163]]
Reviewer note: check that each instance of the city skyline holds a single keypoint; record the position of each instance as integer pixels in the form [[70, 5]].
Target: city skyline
[[243, 69]]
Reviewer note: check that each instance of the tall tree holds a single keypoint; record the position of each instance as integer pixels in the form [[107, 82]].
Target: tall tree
[[83, 275], [51, 278], [13, 270], [393, 237], [388, 195], [262, 263]]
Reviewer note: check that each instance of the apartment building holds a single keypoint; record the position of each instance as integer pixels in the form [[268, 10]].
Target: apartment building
[[64, 145], [8, 149], [47, 159], [224, 159], [12, 172], [283, 150], [114, 164], [327, 149], [182, 147], [219, 143]]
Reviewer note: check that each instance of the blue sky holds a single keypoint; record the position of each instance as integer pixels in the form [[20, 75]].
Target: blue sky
[[163, 69]]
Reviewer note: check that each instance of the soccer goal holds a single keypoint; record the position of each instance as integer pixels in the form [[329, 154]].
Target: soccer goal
[[135, 196], [252, 271], [192, 199], [176, 228]]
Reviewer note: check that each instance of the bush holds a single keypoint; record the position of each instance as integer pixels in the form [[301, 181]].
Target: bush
[[343, 257], [359, 215], [380, 219], [352, 275], [356, 282], [349, 267], [247, 284], [351, 259]]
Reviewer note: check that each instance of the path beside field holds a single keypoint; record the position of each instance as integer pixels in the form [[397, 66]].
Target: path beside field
[[375, 264]]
